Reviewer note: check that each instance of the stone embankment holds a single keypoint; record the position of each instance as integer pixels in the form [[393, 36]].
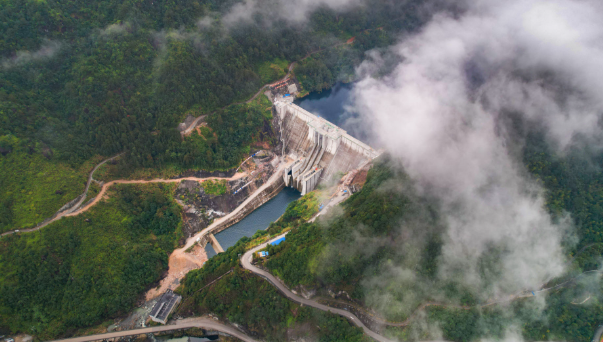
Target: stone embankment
[[262, 197], [256, 200]]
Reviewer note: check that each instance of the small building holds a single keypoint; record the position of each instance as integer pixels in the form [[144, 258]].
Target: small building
[[263, 254], [164, 307], [277, 242]]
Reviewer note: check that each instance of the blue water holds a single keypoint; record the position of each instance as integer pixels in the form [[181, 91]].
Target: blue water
[[259, 219], [335, 105], [331, 104]]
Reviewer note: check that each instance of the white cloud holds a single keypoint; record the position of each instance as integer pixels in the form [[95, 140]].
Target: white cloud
[[46, 51], [295, 11], [440, 111], [115, 29]]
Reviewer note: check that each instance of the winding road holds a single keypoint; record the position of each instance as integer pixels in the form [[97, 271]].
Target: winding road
[[59, 214], [75, 210], [197, 322], [246, 262], [157, 180]]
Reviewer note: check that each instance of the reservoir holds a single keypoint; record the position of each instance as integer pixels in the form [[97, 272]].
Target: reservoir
[[334, 105], [330, 104]]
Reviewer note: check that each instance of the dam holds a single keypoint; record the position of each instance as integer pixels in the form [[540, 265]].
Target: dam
[[320, 149], [311, 149]]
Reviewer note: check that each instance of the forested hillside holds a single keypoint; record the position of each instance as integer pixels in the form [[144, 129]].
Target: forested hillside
[[383, 228], [84, 80], [81, 79], [250, 301], [80, 270]]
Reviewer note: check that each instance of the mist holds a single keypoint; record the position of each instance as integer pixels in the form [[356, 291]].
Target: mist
[[47, 50], [295, 12], [442, 113]]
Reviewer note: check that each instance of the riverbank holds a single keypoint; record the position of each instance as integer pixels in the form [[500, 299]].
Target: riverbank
[[184, 262]]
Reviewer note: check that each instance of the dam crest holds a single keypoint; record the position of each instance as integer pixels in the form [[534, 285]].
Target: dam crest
[[319, 148]]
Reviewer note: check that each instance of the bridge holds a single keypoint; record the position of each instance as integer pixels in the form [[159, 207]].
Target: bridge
[[319, 148]]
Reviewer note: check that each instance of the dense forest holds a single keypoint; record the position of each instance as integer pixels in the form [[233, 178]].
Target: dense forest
[[80, 270], [83, 79], [366, 241]]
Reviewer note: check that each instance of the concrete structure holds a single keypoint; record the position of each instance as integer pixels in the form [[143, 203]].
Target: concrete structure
[[164, 307], [215, 244], [320, 149]]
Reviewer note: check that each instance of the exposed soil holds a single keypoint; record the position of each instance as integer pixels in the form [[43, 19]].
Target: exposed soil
[[176, 180], [200, 208], [181, 262]]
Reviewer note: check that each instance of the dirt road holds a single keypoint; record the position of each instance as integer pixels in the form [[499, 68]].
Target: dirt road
[[59, 215], [278, 173], [159, 180], [197, 322], [181, 262]]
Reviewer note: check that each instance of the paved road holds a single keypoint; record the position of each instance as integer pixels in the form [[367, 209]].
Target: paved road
[[198, 322], [246, 261], [70, 210], [598, 333]]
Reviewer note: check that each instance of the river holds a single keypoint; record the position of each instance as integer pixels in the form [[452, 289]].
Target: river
[[257, 220], [331, 105]]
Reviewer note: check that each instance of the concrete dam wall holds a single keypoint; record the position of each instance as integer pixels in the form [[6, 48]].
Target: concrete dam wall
[[319, 148]]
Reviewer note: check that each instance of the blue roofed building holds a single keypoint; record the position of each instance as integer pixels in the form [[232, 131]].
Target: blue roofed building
[[277, 242]]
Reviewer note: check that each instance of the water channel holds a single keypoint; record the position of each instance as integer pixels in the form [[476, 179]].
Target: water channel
[[329, 104], [257, 220]]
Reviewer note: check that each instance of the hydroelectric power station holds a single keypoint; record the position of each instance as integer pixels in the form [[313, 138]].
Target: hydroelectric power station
[[319, 148]]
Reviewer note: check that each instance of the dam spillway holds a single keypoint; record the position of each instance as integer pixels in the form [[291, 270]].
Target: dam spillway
[[319, 148]]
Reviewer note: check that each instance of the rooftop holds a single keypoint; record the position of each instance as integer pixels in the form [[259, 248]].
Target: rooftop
[[164, 306]]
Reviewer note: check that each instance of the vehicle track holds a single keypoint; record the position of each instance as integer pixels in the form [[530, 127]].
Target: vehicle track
[[76, 210], [59, 214]]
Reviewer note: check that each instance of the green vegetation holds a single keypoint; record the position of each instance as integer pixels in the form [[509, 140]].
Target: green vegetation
[[573, 185], [83, 269], [273, 70], [32, 187], [243, 298], [216, 188], [297, 213], [93, 191], [559, 321], [89, 78], [334, 256], [322, 70]]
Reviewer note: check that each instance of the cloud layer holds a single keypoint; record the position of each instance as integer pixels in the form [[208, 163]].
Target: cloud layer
[[441, 113], [288, 10]]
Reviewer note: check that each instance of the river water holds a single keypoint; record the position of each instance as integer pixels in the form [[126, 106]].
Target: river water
[[259, 219], [331, 105]]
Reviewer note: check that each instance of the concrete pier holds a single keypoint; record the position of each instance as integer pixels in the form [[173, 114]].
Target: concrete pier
[[215, 244]]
